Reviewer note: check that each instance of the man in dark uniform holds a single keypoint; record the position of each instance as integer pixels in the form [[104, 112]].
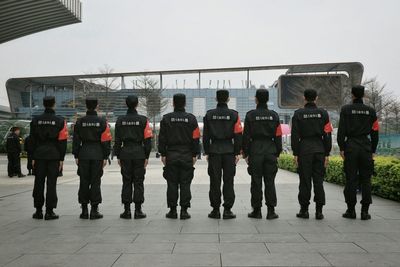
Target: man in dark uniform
[[132, 147], [222, 141], [91, 148], [48, 136], [262, 145], [311, 144], [358, 137], [29, 152], [13, 146], [178, 144]]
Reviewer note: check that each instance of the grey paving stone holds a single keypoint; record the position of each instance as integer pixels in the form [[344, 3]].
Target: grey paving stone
[[380, 247], [216, 248], [348, 237], [272, 238], [314, 248], [274, 259], [151, 248], [91, 260], [362, 259], [176, 238], [172, 260], [40, 260]]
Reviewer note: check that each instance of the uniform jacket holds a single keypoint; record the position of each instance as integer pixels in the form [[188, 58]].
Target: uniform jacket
[[262, 132], [179, 136], [311, 131], [28, 147], [48, 136], [132, 136], [222, 132], [13, 145], [358, 127], [92, 138]]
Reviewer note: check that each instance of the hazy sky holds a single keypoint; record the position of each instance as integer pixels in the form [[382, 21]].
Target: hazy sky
[[133, 35]]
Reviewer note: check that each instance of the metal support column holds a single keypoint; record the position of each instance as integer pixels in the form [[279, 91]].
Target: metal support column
[[248, 79], [161, 81], [73, 95], [199, 80], [30, 101]]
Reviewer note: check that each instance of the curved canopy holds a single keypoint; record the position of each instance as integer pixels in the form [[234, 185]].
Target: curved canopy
[[24, 17]]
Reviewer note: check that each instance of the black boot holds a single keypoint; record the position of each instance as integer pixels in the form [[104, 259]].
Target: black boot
[[364, 213], [172, 214], [255, 214], [350, 213], [228, 214], [38, 215], [127, 212], [271, 213], [318, 212], [303, 213], [215, 214], [85, 212], [29, 172], [139, 214], [50, 215], [184, 214], [94, 213], [21, 175]]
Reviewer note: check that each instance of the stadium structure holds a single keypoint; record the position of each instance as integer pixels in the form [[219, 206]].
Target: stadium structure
[[23, 17], [333, 80]]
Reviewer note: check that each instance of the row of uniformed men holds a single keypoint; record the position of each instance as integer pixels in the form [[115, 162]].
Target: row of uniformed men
[[223, 140]]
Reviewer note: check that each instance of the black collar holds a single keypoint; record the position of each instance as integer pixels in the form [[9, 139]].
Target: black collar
[[222, 105], [358, 101], [262, 106], [310, 105], [179, 109], [91, 112], [131, 111], [49, 111]]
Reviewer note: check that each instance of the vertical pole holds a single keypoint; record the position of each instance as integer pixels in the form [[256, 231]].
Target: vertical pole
[[30, 101], [199, 80], [161, 81], [248, 79], [73, 95]]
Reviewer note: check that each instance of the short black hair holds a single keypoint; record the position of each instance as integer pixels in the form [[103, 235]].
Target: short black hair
[[262, 96], [49, 101], [222, 96], [179, 100], [91, 103], [132, 101], [310, 95], [358, 91]]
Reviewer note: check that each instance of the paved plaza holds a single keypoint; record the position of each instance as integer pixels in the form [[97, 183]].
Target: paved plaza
[[157, 241]]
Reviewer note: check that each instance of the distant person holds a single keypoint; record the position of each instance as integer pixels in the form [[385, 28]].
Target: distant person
[[132, 147], [13, 146], [49, 135], [91, 148], [28, 147], [222, 141], [311, 144], [179, 146], [262, 145], [358, 137]]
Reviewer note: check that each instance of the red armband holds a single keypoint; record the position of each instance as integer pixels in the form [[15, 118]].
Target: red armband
[[196, 133], [278, 131], [328, 127], [238, 126], [63, 134], [148, 132], [106, 135], [375, 126]]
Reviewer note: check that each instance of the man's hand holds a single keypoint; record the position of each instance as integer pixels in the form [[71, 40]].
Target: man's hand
[[326, 162], [33, 163], [164, 160], [342, 154], [373, 155], [237, 158], [104, 163], [194, 160], [60, 166], [207, 158], [119, 162], [146, 161], [77, 161], [247, 160], [296, 161]]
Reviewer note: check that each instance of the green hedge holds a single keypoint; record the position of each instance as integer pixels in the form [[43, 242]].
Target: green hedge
[[385, 182]]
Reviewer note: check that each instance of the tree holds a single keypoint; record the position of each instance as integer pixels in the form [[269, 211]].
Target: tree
[[376, 95], [110, 83], [151, 97]]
